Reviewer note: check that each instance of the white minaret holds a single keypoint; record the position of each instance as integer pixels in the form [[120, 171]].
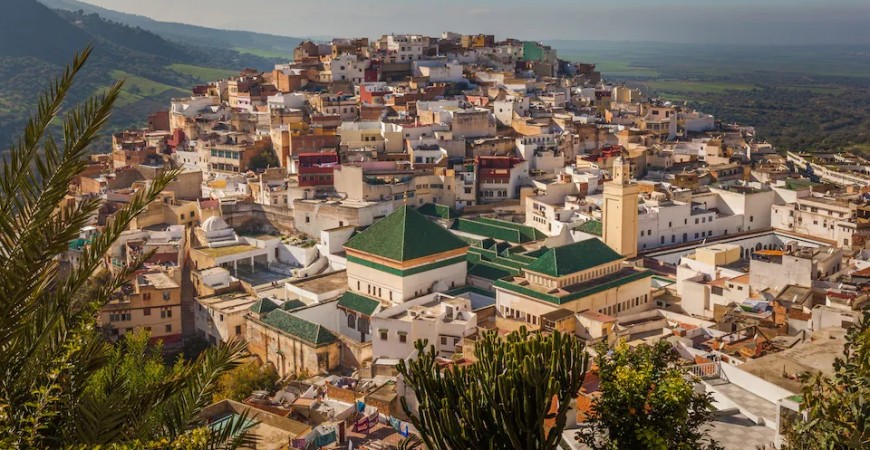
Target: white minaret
[[620, 210]]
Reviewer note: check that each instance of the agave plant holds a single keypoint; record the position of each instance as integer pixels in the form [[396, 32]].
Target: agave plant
[[59, 385]]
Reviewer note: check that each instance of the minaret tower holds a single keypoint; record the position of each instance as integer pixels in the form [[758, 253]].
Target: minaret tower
[[620, 210]]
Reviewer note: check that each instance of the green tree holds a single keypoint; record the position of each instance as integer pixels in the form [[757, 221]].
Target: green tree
[[264, 160], [64, 385], [239, 383], [646, 402], [836, 408], [515, 396]]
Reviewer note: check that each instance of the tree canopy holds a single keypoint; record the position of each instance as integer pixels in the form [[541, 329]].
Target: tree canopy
[[515, 396], [64, 385], [646, 402]]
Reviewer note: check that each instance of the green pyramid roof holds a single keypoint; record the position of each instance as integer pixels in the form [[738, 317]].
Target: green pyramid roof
[[301, 328], [573, 258], [436, 210], [592, 227], [403, 235], [290, 305], [263, 306], [359, 303]]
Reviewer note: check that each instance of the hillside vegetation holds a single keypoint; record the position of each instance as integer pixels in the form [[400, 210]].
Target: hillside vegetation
[[156, 69], [799, 98]]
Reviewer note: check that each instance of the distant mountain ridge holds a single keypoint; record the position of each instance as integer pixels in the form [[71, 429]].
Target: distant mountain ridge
[[185, 33], [36, 42]]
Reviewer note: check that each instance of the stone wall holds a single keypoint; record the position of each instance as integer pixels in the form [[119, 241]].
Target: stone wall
[[250, 216]]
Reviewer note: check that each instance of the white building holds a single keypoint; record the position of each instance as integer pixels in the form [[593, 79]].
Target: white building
[[441, 320], [819, 217], [221, 318], [724, 211]]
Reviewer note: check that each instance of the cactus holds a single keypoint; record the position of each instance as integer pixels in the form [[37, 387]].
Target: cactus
[[515, 396]]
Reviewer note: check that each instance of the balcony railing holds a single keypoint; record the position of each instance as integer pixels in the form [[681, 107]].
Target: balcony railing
[[706, 370]]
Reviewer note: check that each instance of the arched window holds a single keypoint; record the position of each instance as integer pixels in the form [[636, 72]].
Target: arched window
[[351, 320]]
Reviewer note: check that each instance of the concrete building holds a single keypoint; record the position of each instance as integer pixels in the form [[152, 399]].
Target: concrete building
[[499, 177], [773, 269], [150, 302], [315, 216], [724, 210], [220, 318], [439, 319], [712, 275], [820, 217]]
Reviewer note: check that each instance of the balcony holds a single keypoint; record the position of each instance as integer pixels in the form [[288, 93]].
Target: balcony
[[705, 371]]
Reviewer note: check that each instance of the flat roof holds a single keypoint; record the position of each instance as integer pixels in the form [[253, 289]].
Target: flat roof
[[228, 303], [158, 279], [217, 252], [322, 284], [813, 356]]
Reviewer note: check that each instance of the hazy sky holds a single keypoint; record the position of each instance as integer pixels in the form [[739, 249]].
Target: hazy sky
[[698, 21]]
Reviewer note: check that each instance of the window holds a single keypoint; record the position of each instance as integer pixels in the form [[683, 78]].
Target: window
[[751, 218], [403, 338], [146, 312], [238, 329], [443, 340], [351, 320], [169, 328], [383, 335], [165, 313], [146, 296], [222, 317], [166, 295]]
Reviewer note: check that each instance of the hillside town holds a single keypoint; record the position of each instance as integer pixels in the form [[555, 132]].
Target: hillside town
[[370, 194]]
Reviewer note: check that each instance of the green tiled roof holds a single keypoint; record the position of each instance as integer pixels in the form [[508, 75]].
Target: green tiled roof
[[263, 306], [591, 227], [300, 328], [487, 230], [359, 303], [592, 289], [537, 253], [436, 210], [528, 233], [489, 272], [516, 233], [290, 305], [573, 258], [403, 235]]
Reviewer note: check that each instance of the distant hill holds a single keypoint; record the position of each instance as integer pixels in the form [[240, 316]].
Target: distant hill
[[244, 41], [36, 43]]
